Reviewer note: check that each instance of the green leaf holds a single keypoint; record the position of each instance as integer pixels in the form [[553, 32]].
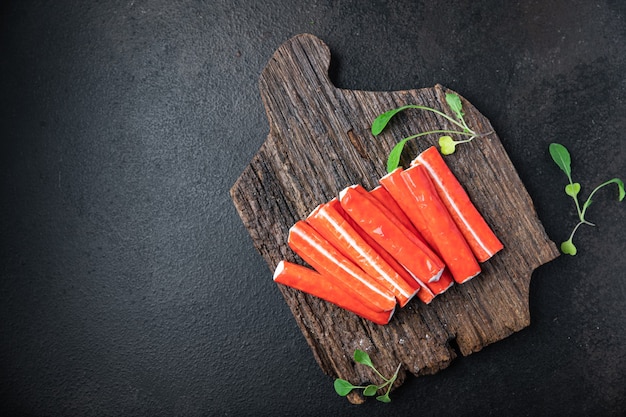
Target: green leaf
[[384, 398], [561, 157], [447, 145], [363, 358], [343, 387], [370, 390], [573, 189], [454, 101], [568, 248], [393, 161], [379, 123]]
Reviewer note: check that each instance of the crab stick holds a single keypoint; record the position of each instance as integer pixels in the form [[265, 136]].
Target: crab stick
[[442, 284], [423, 293], [388, 235], [327, 288], [410, 232], [336, 230], [392, 210], [328, 261], [426, 292], [479, 236], [381, 194], [415, 193]]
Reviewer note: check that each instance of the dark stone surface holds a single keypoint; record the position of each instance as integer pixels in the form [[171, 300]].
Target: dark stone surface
[[128, 284]]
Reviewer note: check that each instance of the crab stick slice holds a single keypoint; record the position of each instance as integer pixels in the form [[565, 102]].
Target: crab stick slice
[[427, 292], [481, 239], [327, 288], [388, 235], [392, 210], [414, 191], [381, 194], [425, 295], [410, 233], [328, 261], [442, 284], [336, 230], [399, 269]]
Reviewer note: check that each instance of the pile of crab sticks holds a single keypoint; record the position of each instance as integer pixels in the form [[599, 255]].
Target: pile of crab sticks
[[417, 233]]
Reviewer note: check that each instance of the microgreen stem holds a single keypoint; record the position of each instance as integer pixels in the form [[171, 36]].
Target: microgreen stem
[[581, 213], [381, 376], [453, 132], [571, 236], [465, 126], [465, 140], [588, 202], [391, 380], [578, 210], [385, 397], [462, 125]]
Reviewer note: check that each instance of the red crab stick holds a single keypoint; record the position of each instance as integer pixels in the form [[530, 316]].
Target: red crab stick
[[328, 261], [415, 193], [479, 236], [442, 284], [392, 210], [409, 231], [388, 235], [423, 292], [327, 288], [335, 229], [381, 194]]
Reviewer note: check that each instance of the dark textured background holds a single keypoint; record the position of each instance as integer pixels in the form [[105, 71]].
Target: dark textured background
[[128, 284]]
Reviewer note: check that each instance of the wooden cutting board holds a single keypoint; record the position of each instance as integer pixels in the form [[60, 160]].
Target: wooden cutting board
[[318, 143]]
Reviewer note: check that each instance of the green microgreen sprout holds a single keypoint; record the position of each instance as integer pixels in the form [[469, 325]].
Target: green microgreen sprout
[[343, 387], [446, 143], [561, 157]]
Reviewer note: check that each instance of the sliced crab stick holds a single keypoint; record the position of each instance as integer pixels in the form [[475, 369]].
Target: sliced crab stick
[[442, 284], [424, 293], [438, 227], [433, 288], [411, 233], [415, 193], [328, 261], [336, 230], [428, 291], [479, 236], [399, 217], [327, 288], [391, 237], [381, 194]]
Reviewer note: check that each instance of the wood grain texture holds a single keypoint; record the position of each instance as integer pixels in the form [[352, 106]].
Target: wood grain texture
[[318, 143]]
